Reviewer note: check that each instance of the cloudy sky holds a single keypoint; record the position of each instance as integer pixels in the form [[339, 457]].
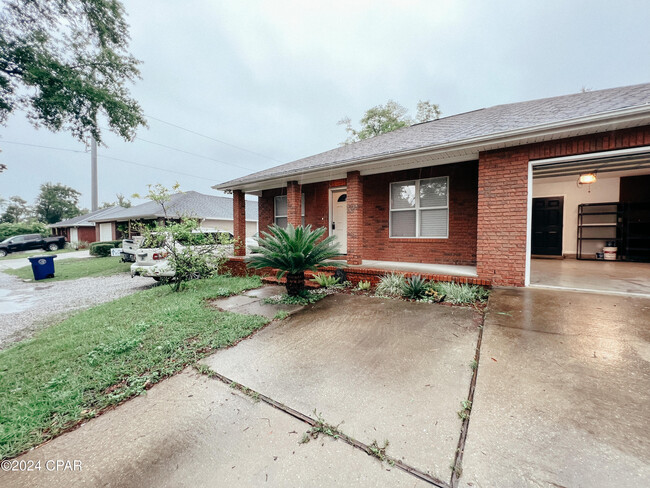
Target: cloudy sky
[[274, 77]]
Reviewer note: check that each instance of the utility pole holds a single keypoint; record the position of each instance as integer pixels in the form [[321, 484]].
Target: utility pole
[[93, 174]]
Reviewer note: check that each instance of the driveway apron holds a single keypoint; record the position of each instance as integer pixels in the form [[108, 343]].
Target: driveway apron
[[563, 392]]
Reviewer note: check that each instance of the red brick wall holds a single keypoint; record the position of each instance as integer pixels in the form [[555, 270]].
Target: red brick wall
[[239, 222], [86, 234], [265, 208], [317, 205], [503, 198], [458, 248], [355, 206]]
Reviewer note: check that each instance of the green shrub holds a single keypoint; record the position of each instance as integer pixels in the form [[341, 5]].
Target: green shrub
[[390, 285], [414, 287], [292, 251], [460, 293], [93, 247], [9, 230], [325, 280], [364, 285], [102, 250]]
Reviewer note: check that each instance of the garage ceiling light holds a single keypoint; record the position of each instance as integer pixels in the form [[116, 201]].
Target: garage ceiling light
[[587, 178]]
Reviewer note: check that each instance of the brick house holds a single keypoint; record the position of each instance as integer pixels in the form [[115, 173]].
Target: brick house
[[82, 228], [458, 192], [212, 212]]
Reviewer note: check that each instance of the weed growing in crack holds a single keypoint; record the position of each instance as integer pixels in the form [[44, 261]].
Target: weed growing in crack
[[456, 469], [473, 365], [467, 408], [379, 451], [321, 427]]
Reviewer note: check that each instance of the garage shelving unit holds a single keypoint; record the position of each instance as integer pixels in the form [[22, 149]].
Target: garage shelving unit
[[599, 223]]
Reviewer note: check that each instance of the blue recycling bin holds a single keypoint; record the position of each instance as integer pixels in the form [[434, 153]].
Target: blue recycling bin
[[43, 266]]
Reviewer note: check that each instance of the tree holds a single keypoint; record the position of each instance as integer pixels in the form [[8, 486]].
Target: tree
[[292, 251], [16, 211], [387, 118], [427, 111], [190, 253], [122, 201], [57, 202], [65, 63]]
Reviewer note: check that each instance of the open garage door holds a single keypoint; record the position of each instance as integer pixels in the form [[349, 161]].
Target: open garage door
[[590, 222]]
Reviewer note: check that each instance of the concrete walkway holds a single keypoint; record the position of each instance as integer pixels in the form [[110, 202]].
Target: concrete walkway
[[192, 431], [563, 392], [384, 369]]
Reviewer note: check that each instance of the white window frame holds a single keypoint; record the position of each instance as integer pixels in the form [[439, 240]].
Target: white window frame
[[275, 209], [417, 209]]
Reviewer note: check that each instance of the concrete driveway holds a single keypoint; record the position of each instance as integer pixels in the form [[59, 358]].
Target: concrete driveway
[[561, 400], [563, 392], [382, 369]]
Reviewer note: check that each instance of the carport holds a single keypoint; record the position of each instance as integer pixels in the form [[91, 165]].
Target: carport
[[589, 222]]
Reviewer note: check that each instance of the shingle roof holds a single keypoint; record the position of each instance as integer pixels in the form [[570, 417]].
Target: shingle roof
[[186, 204], [83, 220], [457, 128]]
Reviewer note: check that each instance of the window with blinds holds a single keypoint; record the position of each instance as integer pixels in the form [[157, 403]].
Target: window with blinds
[[420, 208], [281, 211]]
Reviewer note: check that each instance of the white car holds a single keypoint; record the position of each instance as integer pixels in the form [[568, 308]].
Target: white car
[[153, 262]]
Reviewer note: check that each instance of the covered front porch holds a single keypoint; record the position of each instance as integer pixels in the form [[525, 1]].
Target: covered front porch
[[420, 220]]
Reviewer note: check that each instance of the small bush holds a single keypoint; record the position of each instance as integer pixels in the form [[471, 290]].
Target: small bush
[[104, 244], [325, 280], [102, 250], [77, 245], [460, 293], [364, 285], [391, 285], [414, 287]]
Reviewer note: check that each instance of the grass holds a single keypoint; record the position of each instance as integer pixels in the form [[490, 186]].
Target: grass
[[102, 356], [71, 269], [25, 255]]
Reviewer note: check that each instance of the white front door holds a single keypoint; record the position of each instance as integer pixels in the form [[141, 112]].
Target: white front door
[[105, 232], [339, 225], [74, 235]]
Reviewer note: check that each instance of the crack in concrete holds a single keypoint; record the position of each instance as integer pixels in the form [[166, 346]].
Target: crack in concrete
[[456, 472], [393, 462]]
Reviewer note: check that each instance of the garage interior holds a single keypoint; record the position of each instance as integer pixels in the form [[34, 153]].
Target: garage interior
[[590, 223]]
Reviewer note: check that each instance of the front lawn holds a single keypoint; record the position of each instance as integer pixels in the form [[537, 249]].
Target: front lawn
[[104, 355], [71, 269]]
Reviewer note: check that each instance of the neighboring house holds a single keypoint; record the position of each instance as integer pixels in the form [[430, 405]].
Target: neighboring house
[[81, 228], [213, 212], [459, 190]]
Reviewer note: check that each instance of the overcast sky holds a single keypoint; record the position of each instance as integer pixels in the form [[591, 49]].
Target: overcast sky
[[274, 77]]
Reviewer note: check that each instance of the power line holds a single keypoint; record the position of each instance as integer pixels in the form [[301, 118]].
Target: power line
[[213, 139], [156, 168], [44, 147], [108, 157], [193, 154]]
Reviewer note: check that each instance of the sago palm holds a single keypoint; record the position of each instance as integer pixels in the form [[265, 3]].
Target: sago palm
[[292, 251]]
